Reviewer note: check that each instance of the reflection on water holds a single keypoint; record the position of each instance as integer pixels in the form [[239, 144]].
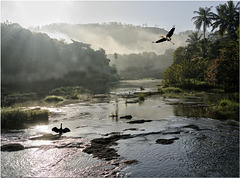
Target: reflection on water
[[210, 151]]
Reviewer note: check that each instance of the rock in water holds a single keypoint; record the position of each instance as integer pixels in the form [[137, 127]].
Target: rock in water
[[166, 141], [126, 117], [12, 147], [139, 121]]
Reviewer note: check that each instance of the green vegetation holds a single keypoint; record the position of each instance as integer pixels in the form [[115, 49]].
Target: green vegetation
[[9, 98], [211, 62], [70, 92], [53, 98], [227, 109], [142, 65], [16, 118], [33, 61], [228, 105], [172, 90], [141, 97]]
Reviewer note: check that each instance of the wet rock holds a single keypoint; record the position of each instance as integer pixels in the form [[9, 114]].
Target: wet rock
[[112, 133], [46, 137], [131, 101], [132, 129], [139, 121], [70, 145], [171, 132], [191, 126], [129, 162], [12, 147], [232, 123], [166, 141], [126, 117], [100, 147]]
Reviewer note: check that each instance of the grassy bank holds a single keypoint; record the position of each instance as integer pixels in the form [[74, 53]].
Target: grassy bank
[[56, 96], [70, 92], [17, 118], [226, 109], [214, 103], [53, 98]]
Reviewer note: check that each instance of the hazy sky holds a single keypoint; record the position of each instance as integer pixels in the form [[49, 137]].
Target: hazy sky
[[165, 14]]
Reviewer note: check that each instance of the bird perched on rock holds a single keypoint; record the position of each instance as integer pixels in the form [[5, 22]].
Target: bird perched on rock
[[167, 38], [60, 130]]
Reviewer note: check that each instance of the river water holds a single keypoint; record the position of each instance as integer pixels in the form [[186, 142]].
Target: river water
[[202, 146]]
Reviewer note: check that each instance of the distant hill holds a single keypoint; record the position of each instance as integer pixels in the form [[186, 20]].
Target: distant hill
[[114, 37], [35, 62]]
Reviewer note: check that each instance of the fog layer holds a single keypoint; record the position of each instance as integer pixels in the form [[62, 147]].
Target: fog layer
[[114, 37]]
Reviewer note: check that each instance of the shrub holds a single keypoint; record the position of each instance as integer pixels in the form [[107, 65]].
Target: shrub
[[226, 109], [172, 90], [53, 98], [14, 118], [160, 90], [141, 97], [226, 104], [69, 91]]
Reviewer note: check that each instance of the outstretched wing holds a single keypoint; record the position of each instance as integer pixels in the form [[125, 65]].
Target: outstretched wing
[[170, 33], [161, 40], [66, 130], [55, 129]]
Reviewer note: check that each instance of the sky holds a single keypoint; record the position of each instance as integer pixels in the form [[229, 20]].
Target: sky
[[163, 14]]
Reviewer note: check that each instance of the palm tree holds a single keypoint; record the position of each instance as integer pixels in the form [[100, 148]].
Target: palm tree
[[227, 18], [203, 18], [193, 38]]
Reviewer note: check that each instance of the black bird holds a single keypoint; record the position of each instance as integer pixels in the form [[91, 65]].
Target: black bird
[[168, 36], [60, 131]]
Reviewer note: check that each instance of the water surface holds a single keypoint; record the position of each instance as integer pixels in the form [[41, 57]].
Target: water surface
[[212, 150]]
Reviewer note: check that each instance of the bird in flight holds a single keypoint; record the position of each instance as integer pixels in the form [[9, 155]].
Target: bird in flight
[[167, 38], [60, 130]]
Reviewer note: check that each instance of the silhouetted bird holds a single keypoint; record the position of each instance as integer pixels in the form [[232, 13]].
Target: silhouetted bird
[[168, 36], [60, 130]]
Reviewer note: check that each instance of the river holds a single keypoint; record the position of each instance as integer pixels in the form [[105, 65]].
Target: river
[[199, 146]]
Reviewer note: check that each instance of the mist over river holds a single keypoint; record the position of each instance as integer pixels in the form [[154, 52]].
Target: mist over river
[[176, 140]]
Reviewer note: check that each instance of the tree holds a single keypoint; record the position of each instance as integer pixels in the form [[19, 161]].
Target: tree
[[179, 55], [227, 19], [193, 38], [115, 57], [203, 18]]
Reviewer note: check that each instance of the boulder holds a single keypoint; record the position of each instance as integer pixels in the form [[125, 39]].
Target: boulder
[[12, 147]]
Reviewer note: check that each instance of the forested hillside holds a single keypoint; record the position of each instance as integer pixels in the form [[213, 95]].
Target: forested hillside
[[35, 62], [114, 37]]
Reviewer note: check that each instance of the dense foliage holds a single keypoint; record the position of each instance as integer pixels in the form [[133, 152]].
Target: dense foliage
[[212, 61], [35, 62]]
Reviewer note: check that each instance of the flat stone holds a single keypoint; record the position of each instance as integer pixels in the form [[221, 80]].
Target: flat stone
[[126, 117], [12, 147], [166, 141], [139, 121]]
